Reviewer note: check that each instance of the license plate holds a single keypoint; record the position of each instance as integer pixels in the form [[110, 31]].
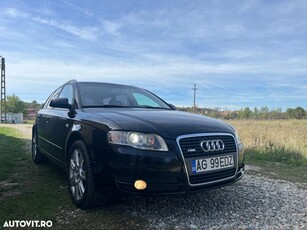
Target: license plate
[[212, 163]]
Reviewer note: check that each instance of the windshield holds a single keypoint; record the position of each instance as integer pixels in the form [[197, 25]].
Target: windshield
[[112, 95]]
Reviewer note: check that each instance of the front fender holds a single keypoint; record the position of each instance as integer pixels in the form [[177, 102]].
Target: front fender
[[95, 140]]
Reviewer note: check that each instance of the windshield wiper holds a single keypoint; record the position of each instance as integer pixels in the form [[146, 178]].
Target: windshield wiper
[[103, 106], [121, 106], [150, 107]]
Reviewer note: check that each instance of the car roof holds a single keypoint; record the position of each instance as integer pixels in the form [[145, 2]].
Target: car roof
[[96, 82]]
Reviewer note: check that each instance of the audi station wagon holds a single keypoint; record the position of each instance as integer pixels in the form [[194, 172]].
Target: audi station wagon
[[117, 139]]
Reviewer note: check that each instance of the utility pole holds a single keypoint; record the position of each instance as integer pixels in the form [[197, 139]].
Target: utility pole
[[3, 92], [194, 105]]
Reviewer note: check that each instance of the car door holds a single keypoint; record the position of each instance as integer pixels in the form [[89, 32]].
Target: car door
[[43, 124], [60, 125]]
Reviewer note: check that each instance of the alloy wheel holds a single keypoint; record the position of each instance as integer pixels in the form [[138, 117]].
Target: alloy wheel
[[77, 175], [34, 146]]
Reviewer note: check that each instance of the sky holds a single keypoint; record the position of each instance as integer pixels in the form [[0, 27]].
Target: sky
[[239, 53]]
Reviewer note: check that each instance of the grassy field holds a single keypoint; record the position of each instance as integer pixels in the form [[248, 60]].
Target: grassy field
[[277, 145], [11, 148], [28, 122]]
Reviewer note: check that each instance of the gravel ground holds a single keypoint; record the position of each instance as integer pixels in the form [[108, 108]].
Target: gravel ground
[[255, 202]]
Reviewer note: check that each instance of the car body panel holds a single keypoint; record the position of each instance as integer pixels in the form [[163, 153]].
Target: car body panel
[[169, 123], [117, 167]]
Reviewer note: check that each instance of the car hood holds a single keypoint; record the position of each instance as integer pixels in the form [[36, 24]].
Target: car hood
[[166, 123]]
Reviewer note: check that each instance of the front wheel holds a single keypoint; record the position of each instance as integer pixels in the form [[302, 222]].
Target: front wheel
[[80, 178], [37, 156]]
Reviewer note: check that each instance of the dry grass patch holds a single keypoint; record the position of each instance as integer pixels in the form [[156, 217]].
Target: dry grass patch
[[278, 146], [283, 141]]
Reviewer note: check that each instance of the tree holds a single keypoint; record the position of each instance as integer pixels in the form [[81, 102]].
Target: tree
[[299, 113], [275, 113], [14, 104], [245, 113], [289, 113], [34, 104], [256, 113], [264, 112]]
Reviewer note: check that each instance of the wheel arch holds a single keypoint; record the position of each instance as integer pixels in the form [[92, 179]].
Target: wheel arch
[[73, 137], [34, 129]]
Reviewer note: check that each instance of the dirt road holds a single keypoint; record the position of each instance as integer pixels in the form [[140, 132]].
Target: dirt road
[[25, 129]]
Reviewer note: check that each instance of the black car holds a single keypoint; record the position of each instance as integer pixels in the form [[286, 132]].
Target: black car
[[114, 138]]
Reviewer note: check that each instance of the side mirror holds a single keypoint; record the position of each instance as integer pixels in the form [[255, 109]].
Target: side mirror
[[172, 106], [60, 103]]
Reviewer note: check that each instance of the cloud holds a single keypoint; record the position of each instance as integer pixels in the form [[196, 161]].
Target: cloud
[[13, 13], [82, 10], [172, 76], [111, 27], [89, 33], [237, 55], [86, 33]]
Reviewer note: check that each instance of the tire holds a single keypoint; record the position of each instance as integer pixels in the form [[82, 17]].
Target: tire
[[37, 156], [80, 178]]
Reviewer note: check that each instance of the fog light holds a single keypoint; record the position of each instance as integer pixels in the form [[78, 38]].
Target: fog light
[[140, 185]]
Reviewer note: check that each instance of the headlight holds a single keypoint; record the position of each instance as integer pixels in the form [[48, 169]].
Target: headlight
[[240, 144], [241, 151], [137, 140]]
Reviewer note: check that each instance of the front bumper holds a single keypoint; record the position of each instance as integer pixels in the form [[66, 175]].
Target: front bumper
[[160, 187], [164, 172]]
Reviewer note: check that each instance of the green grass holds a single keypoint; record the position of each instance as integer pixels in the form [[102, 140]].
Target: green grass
[[44, 196], [11, 151], [27, 191], [279, 164], [292, 159], [31, 122], [31, 192], [41, 193]]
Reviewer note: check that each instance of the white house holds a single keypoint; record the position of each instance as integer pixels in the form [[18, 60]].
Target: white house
[[15, 118]]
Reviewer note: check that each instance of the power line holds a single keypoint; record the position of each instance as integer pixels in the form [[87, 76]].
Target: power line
[[194, 105], [3, 92]]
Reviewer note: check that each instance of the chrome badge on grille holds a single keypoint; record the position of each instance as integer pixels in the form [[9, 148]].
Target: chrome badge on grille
[[212, 145]]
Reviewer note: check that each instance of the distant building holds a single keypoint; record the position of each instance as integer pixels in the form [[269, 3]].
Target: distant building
[[14, 118], [225, 113], [31, 113]]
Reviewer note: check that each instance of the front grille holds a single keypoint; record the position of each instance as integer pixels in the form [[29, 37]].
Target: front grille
[[212, 176], [193, 143], [191, 149]]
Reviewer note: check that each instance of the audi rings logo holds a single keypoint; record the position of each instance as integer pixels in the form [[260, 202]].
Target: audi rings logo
[[212, 145]]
